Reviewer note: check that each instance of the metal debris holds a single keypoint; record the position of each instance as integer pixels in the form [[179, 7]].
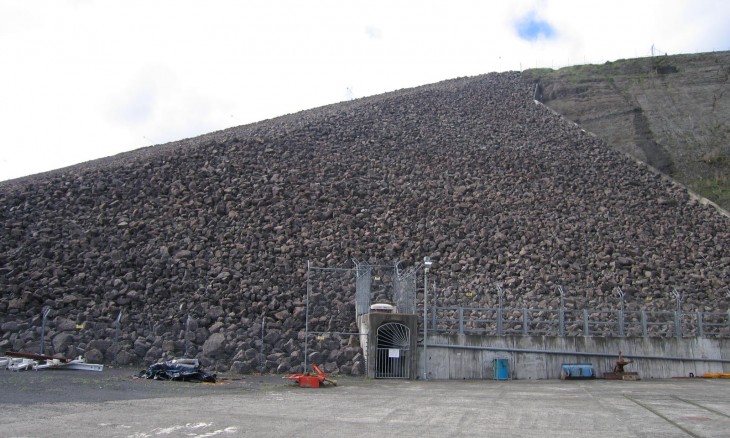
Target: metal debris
[[19, 361], [310, 380], [179, 370]]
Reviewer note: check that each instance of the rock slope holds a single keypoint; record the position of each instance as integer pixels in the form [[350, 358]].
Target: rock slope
[[672, 112], [198, 242]]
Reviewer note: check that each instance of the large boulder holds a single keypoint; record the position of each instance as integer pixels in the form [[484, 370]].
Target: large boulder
[[62, 341], [215, 345]]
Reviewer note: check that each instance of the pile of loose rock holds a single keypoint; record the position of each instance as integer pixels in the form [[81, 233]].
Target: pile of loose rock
[[203, 244]]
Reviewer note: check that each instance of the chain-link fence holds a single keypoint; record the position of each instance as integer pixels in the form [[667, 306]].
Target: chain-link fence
[[480, 309], [336, 297], [389, 284], [562, 322], [321, 326]]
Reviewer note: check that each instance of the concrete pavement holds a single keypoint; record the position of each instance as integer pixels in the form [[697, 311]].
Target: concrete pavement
[[357, 407]]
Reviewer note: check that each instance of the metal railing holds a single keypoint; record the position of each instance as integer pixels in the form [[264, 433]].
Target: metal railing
[[571, 322]]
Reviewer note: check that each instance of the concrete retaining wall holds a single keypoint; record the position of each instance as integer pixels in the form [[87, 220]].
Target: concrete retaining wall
[[463, 363]]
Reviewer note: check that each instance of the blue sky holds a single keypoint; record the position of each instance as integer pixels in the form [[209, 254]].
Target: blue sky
[[84, 79], [530, 28]]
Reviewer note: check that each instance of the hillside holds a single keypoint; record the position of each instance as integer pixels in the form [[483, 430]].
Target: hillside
[[216, 231], [672, 112]]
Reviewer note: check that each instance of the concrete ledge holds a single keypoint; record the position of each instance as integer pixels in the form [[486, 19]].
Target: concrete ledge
[[540, 357]]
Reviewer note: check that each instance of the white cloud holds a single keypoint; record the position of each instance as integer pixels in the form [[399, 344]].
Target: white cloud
[[373, 32], [135, 106], [86, 79]]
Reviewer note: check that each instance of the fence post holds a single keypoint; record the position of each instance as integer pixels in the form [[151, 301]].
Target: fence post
[[644, 331], [700, 327], [187, 336], [261, 351], [621, 323], [678, 324], [365, 309], [117, 330], [525, 321], [561, 314], [622, 296], [586, 326], [461, 320], [678, 313], [500, 294], [499, 321], [44, 315]]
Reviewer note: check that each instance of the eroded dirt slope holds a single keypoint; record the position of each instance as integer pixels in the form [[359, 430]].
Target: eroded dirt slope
[[672, 112]]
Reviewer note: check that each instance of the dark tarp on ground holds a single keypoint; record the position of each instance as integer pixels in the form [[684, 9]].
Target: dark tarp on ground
[[177, 372]]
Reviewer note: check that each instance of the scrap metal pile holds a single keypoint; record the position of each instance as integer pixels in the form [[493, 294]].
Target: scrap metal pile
[[19, 361], [179, 370], [311, 380]]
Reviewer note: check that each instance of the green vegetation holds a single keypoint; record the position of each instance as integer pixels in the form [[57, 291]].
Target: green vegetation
[[695, 136], [715, 189], [638, 69], [534, 74], [716, 158]]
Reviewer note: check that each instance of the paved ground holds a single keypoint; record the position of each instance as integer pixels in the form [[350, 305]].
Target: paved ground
[[111, 403]]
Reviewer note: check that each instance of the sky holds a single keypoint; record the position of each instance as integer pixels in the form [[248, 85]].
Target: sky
[[85, 79]]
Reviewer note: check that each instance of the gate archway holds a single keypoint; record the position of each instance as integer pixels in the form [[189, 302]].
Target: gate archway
[[393, 354]]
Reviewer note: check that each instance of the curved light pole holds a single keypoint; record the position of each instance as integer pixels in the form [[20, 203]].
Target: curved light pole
[[426, 264], [621, 323]]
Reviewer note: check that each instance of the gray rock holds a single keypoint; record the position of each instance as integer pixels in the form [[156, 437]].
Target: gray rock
[[169, 346], [183, 254], [214, 345], [94, 356], [141, 347], [101, 344], [11, 326], [216, 327], [16, 304], [358, 369], [315, 357], [215, 312], [62, 341], [330, 368], [241, 367], [65, 325], [154, 354], [126, 358]]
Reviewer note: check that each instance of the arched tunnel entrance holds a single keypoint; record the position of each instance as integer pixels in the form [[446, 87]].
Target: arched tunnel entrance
[[390, 342], [393, 351]]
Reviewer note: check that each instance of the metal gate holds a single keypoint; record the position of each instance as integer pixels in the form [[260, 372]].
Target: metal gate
[[392, 357]]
